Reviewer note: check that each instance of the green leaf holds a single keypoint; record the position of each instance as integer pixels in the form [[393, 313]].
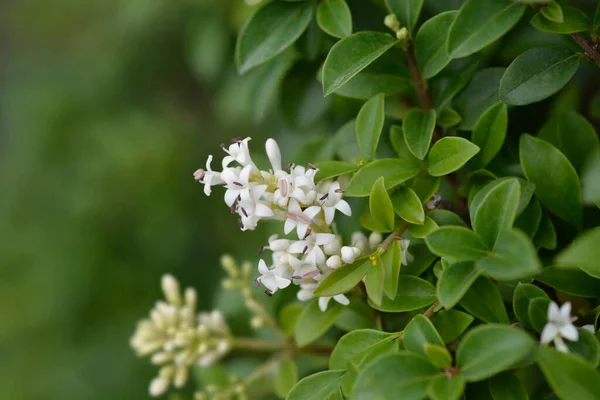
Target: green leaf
[[419, 332], [393, 170], [407, 11], [444, 388], [586, 346], [404, 373], [584, 253], [456, 243], [288, 317], [455, 281], [408, 205], [331, 169], [351, 55], [522, 297], [286, 376], [425, 186], [418, 129], [537, 74], [354, 344], [573, 135], [334, 18], [449, 117], [356, 315], [537, 312], [374, 281], [413, 294], [568, 375], [451, 324], [555, 179], [490, 349], [480, 23], [381, 206], [438, 355], [529, 220], [553, 12], [574, 20], [546, 234], [445, 217], [431, 50], [369, 124], [367, 84], [317, 386], [451, 80], [313, 322], [527, 189], [570, 281], [392, 260], [478, 96], [590, 180], [489, 133], [423, 259], [271, 30], [507, 386], [420, 231], [497, 211], [345, 144], [450, 154], [596, 23], [483, 300], [343, 278]]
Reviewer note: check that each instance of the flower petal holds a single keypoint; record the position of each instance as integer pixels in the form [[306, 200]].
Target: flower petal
[[312, 211], [344, 207], [323, 302], [569, 332], [560, 345], [262, 267], [548, 333], [263, 211], [340, 298], [553, 312]]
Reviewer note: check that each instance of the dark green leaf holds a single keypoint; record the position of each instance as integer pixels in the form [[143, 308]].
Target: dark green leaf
[[333, 16], [425, 186], [523, 295], [286, 376], [423, 259], [317, 386], [450, 154], [574, 21], [431, 50], [489, 133], [584, 253], [570, 281], [408, 205], [451, 80], [366, 85], [413, 293], [313, 322], [445, 217], [553, 12], [419, 332], [451, 324], [529, 220], [444, 388], [418, 129], [546, 234], [381, 206], [356, 315], [586, 346], [331, 169], [391, 260], [393, 170], [344, 278], [590, 180], [527, 189], [438, 355], [538, 312], [507, 386], [457, 243], [449, 117], [478, 96], [369, 124], [345, 144], [483, 300], [455, 281], [420, 231], [569, 376], [407, 11]]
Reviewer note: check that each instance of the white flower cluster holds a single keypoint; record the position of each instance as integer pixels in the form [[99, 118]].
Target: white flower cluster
[[306, 207], [178, 338], [559, 326]]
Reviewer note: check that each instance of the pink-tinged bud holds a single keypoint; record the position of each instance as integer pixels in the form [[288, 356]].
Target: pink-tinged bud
[[311, 274], [198, 175], [283, 187], [274, 154]]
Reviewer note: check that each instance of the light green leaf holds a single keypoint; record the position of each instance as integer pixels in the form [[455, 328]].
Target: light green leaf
[[351, 55], [419, 332], [537, 74], [450, 154], [574, 20], [288, 317], [455, 281], [480, 94], [354, 344], [331, 169], [420, 231], [507, 386], [285, 377], [449, 117], [423, 259], [431, 50], [570, 281], [408, 205], [553, 12], [483, 300], [381, 206], [489, 349], [480, 23], [555, 179], [444, 388], [445, 217], [568, 375], [334, 18], [407, 11], [413, 293], [374, 281], [489, 133], [367, 84], [590, 180], [392, 260], [425, 186], [356, 315], [584, 253], [393, 170], [345, 144], [343, 278], [456, 243], [418, 129], [369, 124], [438, 355], [313, 322], [451, 324], [527, 189], [271, 30], [523, 295], [317, 386], [404, 373]]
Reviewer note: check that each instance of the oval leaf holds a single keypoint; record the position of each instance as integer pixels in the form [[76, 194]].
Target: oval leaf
[[343, 278], [407, 11], [489, 133], [480, 94], [457, 243], [331, 169], [334, 18], [507, 386], [418, 128], [408, 205], [286, 376], [450, 154], [584, 252], [574, 21], [381, 206], [570, 281], [522, 297], [569, 376], [451, 324], [317, 386], [431, 50], [353, 344], [444, 388], [413, 294], [393, 170], [419, 332], [455, 281], [483, 300], [313, 322], [369, 124]]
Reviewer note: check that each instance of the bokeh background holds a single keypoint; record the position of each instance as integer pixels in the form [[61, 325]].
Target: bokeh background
[[106, 109]]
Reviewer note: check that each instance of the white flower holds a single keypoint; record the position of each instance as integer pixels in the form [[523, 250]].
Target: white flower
[[375, 240], [340, 298], [299, 219], [272, 278], [332, 200], [274, 154], [208, 177], [307, 291], [334, 262], [237, 181], [406, 256], [360, 241], [238, 152], [251, 209], [559, 326], [310, 247], [349, 254]]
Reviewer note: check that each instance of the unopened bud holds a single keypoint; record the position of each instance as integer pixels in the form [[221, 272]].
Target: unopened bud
[[170, 288], [402, 34], [391, 21], [257, 322], [229, 265], [348, 254], [375, 239], [334, 262]]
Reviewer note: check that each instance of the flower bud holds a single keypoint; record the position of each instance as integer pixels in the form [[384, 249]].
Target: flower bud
[[332, 247], [274, 154], [170, 288], [375, 239], [229, 265], [348, 254], [334, 262], [158, 386], [391, 21], [402, 34]]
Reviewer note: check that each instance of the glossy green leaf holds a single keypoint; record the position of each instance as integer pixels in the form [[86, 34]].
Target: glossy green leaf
[[570, 281], [413, 293], [584, 253], [367, 84], [344, 278], [555, 179], [537, 74], [483, 300], [513, 257], [480, 94], [421, 231], [317, 386], [418, 129], [425, 186], [369, 124], [271, 30], [546, 234], [393, 170], [419, 332], [408, 205], [538, 312], [423, 259], [285, 377], [490, 349], [587, 346], [445, 217], [313, 322], [568, 375], [444, 388], [399, 145], [431, 50], [455, 76], [527, 189], [523, 295], [455, 281], [404, 373], [368, 222], [489, 133], [374, 283], [351, 55], [381, 206], [449, 117], [354, 344], [457, 243], [553, 12], [331, 169], [392, 260], [507, 386], [480, 23], [438, 355], [590, 180], [407, 11], [334, 18], [574, 20], [529, 220], [451, 324], [450, 154]]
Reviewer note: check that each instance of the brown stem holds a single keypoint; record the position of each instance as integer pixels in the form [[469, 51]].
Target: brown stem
[[418, 81], [392, 236], [431, 310], [591, 50]]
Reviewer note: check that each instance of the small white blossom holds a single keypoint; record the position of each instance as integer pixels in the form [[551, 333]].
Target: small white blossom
[[272, 278], [559, 326], [208, 177], [332, 201], [299, 219], [334, 262], [239, 152], [340, 298]]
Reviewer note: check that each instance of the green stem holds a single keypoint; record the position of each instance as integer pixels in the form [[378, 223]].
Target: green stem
[[392, 236], [260, 345]]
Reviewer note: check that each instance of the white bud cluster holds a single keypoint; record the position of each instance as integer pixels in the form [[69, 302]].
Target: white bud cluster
[[177, 337]]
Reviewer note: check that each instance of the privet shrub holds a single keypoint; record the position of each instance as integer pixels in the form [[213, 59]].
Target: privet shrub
[[442, 244]]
